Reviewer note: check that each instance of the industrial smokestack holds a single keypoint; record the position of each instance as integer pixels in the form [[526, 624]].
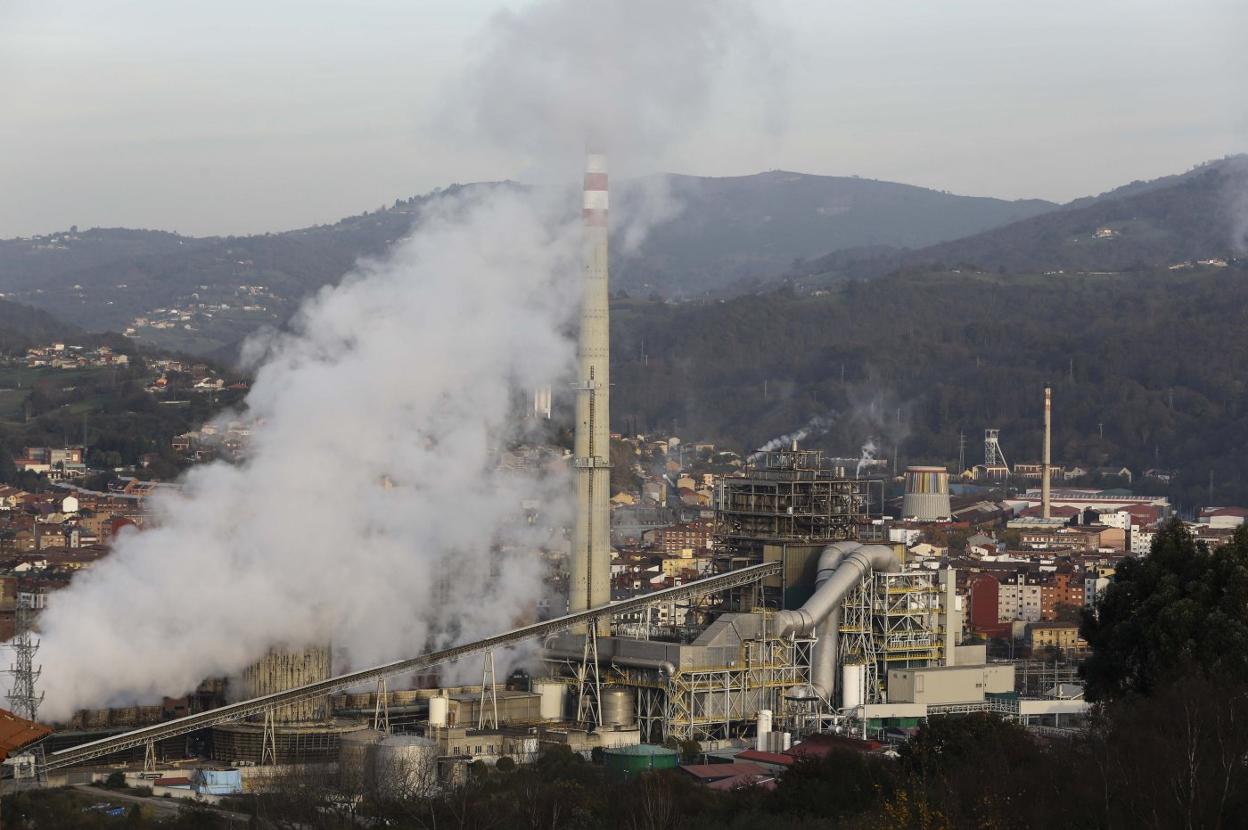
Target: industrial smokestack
[[1046, 471], [590, 566]]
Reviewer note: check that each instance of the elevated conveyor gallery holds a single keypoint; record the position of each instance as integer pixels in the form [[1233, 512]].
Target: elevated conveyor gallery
[[236, 711]]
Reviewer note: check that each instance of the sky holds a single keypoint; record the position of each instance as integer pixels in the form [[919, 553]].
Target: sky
[[232, 117]]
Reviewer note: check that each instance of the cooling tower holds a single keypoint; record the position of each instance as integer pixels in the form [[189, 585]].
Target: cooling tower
[[927, 494], [589, 582]]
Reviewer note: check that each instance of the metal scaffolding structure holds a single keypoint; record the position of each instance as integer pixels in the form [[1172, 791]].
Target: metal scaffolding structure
[[720, 703], [791, 496], [716, 702], [891, 621]]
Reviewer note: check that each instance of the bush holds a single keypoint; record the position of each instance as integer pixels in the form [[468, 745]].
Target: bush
[[115, 781]]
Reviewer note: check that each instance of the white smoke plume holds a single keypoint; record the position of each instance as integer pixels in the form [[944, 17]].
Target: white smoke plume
[[370, 478], [866, 456], [630, 76], [815, 427], [369, 510]]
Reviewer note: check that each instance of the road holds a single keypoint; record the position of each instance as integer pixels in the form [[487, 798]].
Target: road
[[164, 807]]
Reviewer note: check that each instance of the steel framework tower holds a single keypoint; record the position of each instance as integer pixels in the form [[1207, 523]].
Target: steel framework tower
[[23, 698], [590, 566], [995, 465]]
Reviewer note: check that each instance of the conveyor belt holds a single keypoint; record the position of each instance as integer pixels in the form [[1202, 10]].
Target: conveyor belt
[[245, 708]]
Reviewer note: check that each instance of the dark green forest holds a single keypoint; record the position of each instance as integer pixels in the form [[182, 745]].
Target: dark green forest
[[1147, 369]]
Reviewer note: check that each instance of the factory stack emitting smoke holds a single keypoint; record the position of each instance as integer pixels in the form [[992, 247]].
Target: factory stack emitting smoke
[[372, 474], [1046, 471], [590, 566]]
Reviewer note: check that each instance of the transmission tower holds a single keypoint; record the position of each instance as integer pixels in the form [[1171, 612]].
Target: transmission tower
[[23, 699]]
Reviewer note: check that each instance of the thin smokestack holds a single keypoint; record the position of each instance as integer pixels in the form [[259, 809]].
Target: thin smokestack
[[1046, 472], [590, 566]]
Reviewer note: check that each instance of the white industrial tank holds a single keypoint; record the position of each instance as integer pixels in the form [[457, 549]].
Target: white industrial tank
[[619, 707], [853, 685], [764, 730], [403, 766], [437, 711], [553, 695]]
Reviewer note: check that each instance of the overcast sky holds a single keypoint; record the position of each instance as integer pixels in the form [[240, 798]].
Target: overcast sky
[[234, 117]]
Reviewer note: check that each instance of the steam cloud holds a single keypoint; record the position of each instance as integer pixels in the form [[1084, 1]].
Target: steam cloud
[[816, 426], [371, 478], [866, 456]]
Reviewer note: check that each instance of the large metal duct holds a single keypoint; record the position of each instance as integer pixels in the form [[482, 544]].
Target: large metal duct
[[842, 565]]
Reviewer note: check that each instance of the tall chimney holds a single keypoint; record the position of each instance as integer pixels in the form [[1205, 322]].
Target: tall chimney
[[590, 566], [1046, 472]]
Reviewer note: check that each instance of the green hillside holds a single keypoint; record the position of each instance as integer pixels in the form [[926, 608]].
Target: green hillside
[[1147, 369]]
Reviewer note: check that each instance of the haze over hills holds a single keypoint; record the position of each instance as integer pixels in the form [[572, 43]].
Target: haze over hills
[[1201, 214], [723, 230], [757, 226]]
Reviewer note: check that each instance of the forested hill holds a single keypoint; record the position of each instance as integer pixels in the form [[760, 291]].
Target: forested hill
[[741, 227], [1147, 369], [721, 230], [1202, 214], [22, 327]]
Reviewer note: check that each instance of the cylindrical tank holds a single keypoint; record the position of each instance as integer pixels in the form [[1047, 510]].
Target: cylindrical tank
[[404, 766], [764, 728], [437, 711], [553, 695], [632, 760], [619, 707], [353, 750], [853, 679], [927, 494]]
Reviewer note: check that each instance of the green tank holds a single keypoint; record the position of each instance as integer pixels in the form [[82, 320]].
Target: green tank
[[627, 761]]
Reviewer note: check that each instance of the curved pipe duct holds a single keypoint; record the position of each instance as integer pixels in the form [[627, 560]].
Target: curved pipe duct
[[841, 566]]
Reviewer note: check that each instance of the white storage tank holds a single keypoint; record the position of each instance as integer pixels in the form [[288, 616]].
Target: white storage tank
[[404, 766], [764, 729], [553, 698], [619, 707], [853, 685], [437, 710]]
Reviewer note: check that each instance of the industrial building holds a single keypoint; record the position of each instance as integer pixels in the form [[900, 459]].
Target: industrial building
[[809, 624]]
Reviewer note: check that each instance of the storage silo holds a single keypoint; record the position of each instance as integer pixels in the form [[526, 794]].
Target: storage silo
[[853, 685], [553, 698], [619, 707], [403, 766], [927, 494], [353, 758], [438, 708]]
